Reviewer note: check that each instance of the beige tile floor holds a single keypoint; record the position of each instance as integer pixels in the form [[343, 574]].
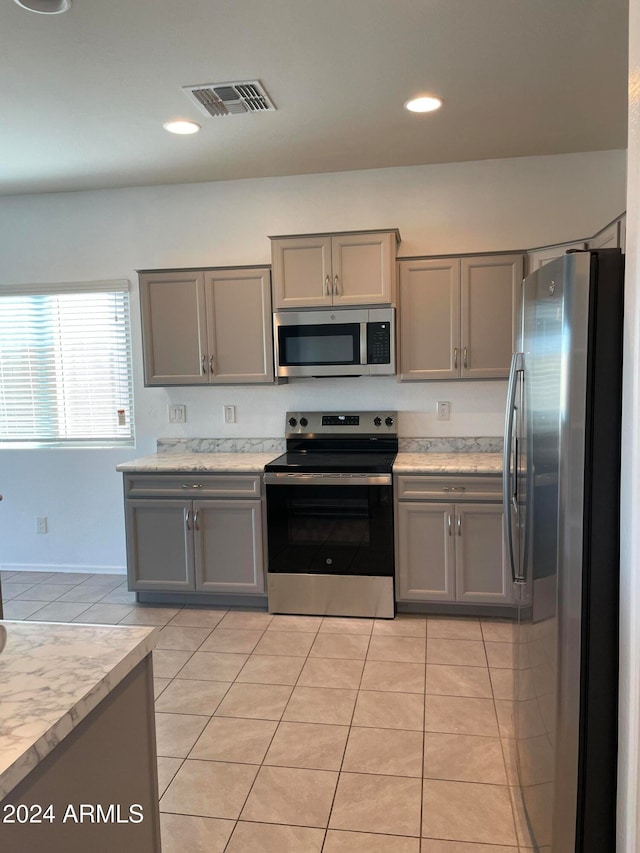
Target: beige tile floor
[[293, 734]]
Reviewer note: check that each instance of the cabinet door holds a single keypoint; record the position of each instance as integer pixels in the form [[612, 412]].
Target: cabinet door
[[301, 272], [430, 319], [174, 331], [608, 238], [228, 546], [426, 552], [539, 257], [490, 289], [160, 545], [363, 269], [240, 342], [482, 573]]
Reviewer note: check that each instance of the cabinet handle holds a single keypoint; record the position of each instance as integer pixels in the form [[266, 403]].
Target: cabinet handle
[[192, 486], [327, 284], [465, 359], [204, 364], [195, 520], [455, 357], [336, 290], [212, 364], [449, 524], [187, 515], [459, 526], [453, 488]]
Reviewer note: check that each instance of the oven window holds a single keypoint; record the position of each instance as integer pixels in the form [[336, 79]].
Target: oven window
[[344, 530], [319, 344]]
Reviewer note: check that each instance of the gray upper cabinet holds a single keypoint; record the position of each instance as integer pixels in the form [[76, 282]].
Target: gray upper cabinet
[[203, 327], [608, 238], [342, 269], [430, 319], [489, 288], [537, 258], [457, 316]]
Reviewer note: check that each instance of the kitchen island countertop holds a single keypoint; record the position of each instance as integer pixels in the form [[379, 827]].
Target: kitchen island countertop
[[448, 463], [51, 677]]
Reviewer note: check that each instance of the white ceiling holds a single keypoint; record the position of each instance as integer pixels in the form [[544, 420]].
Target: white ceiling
[[83, 95]]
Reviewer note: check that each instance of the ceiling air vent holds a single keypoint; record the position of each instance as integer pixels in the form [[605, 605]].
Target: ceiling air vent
[[221, 99]]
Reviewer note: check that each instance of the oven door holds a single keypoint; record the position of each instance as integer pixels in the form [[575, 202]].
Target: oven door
[[321, 343], [330, 524]]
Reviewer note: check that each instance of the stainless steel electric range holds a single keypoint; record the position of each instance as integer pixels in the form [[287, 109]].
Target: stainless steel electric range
[[330, 515]]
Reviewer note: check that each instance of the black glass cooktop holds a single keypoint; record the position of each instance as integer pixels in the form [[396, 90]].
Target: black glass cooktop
[[338, 461]]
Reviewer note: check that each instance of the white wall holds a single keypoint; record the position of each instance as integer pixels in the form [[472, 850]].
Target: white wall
[[464, 207], [629, 741]]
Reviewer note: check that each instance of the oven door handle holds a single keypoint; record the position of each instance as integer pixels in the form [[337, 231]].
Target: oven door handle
[[300, 479]]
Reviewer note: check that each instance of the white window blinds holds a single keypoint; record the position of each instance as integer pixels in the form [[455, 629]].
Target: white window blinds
[[65, 365]]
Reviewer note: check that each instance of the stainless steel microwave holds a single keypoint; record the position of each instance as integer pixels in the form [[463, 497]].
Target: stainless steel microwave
[[335, 342]]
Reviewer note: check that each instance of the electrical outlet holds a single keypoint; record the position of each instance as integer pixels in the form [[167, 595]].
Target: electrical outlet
[[177, 414], [41, 524], [443, 410], [229, 414]]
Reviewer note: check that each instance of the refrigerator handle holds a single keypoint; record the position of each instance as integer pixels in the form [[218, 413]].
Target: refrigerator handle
[[507, 479]]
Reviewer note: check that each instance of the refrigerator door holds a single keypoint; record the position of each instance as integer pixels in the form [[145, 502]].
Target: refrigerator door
[[536, 647], [565, 682]]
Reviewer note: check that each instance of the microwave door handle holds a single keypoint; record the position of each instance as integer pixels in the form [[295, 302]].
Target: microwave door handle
[[363, 343]]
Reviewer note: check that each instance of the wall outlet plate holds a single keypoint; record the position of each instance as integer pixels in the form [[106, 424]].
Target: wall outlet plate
[[41, 524], [443, 410], [177, 414]]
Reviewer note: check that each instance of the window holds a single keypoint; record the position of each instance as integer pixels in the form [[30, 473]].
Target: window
[[65, 365]]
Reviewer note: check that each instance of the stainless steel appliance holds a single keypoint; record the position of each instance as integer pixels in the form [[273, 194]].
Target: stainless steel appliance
[[561, 484], [335, 342], [330, 515]]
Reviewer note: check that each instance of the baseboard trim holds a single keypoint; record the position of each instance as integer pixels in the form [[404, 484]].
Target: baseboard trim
[[48, 567]]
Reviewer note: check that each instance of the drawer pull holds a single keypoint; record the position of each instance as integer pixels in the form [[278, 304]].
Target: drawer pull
[[453, 488], [192, 486]]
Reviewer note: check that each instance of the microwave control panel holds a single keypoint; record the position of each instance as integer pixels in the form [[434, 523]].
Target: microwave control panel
[[378, 343]]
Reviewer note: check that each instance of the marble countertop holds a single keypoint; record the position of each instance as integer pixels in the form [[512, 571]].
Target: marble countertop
[[448, 463], [221, 463], [51, 677], [456, 462]]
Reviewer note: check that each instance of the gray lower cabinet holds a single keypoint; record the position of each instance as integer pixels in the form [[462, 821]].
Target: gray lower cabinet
[[450, 552], [204, 544]]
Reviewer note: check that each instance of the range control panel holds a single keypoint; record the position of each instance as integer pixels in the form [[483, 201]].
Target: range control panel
[[345, 423]]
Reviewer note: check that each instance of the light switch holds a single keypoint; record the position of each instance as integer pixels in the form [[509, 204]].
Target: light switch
[[229, 414], [177, 414]]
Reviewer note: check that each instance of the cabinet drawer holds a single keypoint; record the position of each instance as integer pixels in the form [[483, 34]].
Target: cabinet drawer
[[190, 485], [459, 489]]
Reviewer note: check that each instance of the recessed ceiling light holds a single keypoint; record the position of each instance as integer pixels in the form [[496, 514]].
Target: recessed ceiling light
[[424, 104], [181, 126], [45, 7]]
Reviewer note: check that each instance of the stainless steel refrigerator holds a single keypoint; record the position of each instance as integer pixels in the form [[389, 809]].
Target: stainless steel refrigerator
[[561, 495]]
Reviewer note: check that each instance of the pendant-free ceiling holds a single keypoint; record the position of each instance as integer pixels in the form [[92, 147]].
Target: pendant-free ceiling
[[45, 7]]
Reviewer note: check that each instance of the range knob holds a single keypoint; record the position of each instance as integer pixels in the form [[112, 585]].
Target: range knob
[[304, 422], [377, 421], [293, 422], [388, 421]]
